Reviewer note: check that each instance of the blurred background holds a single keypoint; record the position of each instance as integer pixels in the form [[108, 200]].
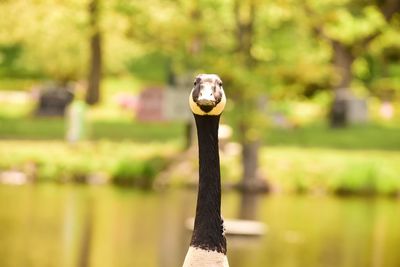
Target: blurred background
[[98, 161]]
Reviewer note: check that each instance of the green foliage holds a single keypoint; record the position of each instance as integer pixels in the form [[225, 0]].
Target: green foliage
[[289, 169], [139, 173], [367, 178], [50, 39], [359, 178], [50, 35], [349, 28], [8, 59], [156, 62], [121, 162], [319, 170]]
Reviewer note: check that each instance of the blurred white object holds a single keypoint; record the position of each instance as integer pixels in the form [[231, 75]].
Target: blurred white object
[[76, 121], [14, 97], [224, 135], [386, 110], [224, 131], [237, 227], [13, 178]]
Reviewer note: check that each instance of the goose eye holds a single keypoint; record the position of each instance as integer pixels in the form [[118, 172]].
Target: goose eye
[[220, 83]]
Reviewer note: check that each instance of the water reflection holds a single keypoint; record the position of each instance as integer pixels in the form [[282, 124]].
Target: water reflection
[[81, 226], [87, 233], [239, 247], [249, 206]]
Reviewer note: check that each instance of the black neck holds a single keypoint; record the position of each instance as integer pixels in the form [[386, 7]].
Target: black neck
[[208, 228]]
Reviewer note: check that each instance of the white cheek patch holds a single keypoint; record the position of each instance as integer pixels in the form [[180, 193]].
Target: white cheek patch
[[217, 110], [197, 257]]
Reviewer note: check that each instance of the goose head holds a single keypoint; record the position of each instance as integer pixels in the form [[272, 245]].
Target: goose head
[[207, 96]]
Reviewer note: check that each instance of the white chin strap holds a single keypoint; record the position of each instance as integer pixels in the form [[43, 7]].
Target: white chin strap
[[217, 110]]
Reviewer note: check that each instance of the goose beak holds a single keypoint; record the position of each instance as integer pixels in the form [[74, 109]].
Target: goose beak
[[206, 97]]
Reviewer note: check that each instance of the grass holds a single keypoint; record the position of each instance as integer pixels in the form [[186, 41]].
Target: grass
[[372, 136], [54, 129], [60, 162], [106, 120], [298, 169], [356, 137]]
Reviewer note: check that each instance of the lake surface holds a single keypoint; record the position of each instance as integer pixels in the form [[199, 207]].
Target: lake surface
[[52, 225]]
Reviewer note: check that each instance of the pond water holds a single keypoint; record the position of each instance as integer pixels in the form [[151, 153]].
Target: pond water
[[50, 225]]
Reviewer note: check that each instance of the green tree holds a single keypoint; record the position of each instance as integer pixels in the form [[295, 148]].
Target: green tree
[[47, 33], [250, 46], [349, 28], [266, 56], [247, 96]]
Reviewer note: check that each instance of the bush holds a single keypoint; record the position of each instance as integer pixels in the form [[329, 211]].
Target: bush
[[367, 179], [138, 173], [55, 161], [342, 172]]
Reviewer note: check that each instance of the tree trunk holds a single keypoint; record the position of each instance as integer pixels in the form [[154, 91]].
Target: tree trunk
[[95, 65], [250, 161], [245, 12], [342, 60], [389, 8]]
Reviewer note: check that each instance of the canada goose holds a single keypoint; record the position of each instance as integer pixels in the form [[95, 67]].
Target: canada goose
[[208, 244]]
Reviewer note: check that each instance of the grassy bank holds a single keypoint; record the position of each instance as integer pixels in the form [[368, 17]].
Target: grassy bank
[[365, 172], [308, 158], [288, 169], [99, 162]]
